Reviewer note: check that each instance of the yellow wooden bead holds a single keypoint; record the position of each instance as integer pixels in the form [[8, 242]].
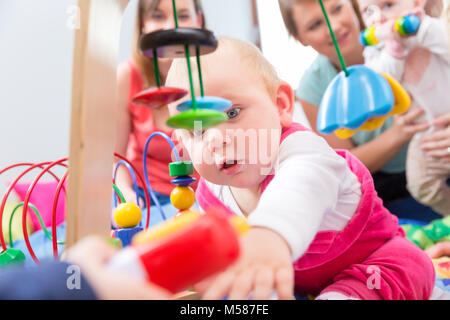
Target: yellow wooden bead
[[127, 215], [182, 198]]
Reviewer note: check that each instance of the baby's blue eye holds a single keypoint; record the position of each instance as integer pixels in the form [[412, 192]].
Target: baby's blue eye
[[233, 113]]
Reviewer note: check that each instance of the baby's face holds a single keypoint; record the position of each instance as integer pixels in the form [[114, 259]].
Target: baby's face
[[241, 151], [376, 12]]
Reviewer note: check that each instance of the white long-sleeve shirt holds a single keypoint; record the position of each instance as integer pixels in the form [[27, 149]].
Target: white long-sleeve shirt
[[424, 74], [313, 190]]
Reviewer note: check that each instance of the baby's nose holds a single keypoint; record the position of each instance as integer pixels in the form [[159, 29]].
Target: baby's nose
[[216, 140]]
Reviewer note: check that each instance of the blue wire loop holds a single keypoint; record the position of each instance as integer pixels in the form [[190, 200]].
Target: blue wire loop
[[177, 156], [133, 177]]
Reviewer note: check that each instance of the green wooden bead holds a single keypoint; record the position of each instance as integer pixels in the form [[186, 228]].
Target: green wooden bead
[[187, 120], [182, 168]]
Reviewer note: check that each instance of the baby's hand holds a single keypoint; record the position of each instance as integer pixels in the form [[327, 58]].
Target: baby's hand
[[264, 266]]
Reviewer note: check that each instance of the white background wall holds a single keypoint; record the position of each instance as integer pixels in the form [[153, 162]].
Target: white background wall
[[36, 52]]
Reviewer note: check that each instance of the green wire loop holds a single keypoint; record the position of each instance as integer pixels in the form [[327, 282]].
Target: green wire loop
[[175, 15], [333, 37], [156, 68], [119, 193], [49, 236], [191, 82], [200, 78]]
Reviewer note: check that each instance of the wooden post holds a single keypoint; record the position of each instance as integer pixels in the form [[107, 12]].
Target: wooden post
[[93, 118]]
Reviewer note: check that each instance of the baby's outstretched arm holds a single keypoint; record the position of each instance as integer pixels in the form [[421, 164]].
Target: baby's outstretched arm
[[264, 266]]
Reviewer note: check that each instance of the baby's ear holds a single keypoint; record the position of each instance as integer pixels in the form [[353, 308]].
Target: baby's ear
[[285, 104]]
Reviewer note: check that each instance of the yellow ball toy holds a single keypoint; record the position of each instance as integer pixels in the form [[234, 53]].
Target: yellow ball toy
[[182, 198], [127, 215]]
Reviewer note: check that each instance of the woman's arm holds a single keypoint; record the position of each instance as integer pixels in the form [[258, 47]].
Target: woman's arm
[[376, 153], [123, 130]]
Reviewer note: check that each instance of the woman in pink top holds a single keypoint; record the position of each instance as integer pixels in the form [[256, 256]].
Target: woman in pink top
[[136, 123]]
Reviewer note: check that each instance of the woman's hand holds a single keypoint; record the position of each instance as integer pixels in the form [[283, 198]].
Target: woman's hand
[[92, 254], [437, 144], [405, 126]]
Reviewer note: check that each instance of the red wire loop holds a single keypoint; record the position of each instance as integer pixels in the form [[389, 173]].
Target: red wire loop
[[11, 187]]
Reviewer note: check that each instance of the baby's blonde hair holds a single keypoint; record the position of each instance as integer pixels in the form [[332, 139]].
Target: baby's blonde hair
[[248, 55]]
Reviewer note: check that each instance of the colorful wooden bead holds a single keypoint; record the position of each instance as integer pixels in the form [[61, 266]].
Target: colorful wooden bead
[[182, 198], [181, 168], [190, 119], [157, 97], [126, 235], [127, 215], [214, 103], [183, 181]]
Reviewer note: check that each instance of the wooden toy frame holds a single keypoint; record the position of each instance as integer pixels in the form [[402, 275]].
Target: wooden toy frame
[[93, 118]]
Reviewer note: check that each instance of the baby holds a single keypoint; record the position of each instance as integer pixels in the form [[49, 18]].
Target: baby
[[317, 223], [421, 62]]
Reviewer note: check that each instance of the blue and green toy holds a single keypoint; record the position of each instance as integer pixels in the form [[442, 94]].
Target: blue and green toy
[[358, 98], [405, 26]]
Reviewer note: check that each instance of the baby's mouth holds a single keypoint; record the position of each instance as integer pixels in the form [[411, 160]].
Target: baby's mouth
[[231, 167], [228, 164]]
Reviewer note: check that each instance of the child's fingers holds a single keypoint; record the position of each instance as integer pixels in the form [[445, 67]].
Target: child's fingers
[[440, 153], [443, 120], [264, 284], [416, 128], [242, 285], [436, 145], [220, 286], [412, 114], [438, 250], [284, 283], [436, 136]]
